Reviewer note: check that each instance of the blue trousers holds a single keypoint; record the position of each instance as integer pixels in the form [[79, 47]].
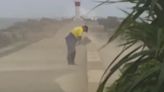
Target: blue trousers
[[71, 48]]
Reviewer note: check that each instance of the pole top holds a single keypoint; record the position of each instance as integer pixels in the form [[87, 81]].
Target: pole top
[[77, 0], [77, 3]]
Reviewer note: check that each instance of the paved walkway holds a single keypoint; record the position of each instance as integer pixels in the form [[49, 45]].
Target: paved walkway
[[95, 67], [42, 67]]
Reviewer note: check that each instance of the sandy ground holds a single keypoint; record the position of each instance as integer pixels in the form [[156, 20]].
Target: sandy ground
[[109, 52], [42, 67]]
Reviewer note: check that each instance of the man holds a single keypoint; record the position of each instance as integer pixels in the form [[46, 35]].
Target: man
[[71, 40]]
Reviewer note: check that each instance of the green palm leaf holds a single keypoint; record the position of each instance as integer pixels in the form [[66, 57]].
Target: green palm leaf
[[150, 33]]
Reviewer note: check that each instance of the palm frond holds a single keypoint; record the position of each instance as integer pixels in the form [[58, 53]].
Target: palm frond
[[98, 5], [117, 66], [115, 59], [129, 20], [160, 79], [143, 77]]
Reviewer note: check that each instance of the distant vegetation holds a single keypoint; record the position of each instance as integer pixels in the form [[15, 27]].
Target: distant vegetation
[[109, 22], [7, 22], [30, 30]]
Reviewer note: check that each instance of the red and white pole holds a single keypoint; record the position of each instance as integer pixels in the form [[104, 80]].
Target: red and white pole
[[77, 8]]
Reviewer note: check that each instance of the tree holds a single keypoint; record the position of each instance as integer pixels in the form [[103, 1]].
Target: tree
[[109, 22], [144, 65]]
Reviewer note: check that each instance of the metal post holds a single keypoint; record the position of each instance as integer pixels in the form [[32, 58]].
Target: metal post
[[77, 9]]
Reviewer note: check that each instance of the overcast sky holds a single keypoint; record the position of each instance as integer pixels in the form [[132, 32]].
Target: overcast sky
[[55, 8]]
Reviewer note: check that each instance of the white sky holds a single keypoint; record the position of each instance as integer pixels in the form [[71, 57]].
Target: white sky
[[55, 8]]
